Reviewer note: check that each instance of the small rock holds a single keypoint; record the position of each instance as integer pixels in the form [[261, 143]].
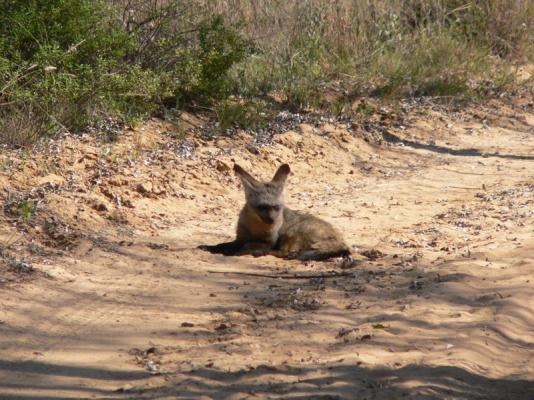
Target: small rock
[[223, 167], [372, 254], [52, 180], [152, 367], [117, 181], [144, 187], [106, 191], [253, 149], [221, 327], [417, 284], [127, 203], [124, 389], [100, 206], [345, 331], [158, 190]]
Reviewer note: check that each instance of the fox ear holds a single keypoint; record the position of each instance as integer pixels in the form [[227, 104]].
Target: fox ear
[[281, 174], [248, 180]]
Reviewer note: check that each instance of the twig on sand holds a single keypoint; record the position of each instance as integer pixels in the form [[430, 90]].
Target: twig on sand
[[287, 276]]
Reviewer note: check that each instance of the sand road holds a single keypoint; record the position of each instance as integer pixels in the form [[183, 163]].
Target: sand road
[[123, 306]]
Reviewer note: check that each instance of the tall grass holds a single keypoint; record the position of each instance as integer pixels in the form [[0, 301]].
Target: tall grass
[[505, 25], [383, 47]]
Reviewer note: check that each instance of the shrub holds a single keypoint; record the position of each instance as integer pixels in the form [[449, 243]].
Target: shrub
[[204, 69], [389, 48], [436, 64], [241, 114], [57, 56], [73, 62]]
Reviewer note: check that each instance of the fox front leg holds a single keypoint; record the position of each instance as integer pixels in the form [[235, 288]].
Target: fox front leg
[[256, 249], [227, 248]]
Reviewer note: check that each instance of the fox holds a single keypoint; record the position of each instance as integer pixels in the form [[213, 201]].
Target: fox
[[267, 227]]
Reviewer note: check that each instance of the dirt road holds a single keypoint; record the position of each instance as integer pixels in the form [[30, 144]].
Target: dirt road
[[121, 304]]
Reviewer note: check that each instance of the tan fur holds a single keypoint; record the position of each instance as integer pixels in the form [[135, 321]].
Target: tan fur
[[250, 228], [292, 233], [266, 226]]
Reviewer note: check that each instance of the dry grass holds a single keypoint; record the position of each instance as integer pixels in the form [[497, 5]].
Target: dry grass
[[21, 126], [384, 47], [506, 25]]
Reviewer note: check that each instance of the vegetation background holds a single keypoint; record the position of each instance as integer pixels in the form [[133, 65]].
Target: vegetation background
[[66, 65]]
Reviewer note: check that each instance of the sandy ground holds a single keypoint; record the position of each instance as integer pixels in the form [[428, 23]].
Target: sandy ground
[[120, 304]]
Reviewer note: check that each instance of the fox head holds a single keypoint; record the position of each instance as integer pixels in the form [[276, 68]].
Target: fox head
[[264, 199]]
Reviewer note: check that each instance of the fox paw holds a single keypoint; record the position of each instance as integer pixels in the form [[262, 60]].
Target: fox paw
[[258, 253]]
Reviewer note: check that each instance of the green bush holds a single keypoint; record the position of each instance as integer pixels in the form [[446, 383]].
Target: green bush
[[57, 57], [241, 114], [73, 62], [203, 73]]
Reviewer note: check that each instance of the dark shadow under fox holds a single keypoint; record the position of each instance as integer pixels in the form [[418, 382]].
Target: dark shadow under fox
[[267, 227]]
